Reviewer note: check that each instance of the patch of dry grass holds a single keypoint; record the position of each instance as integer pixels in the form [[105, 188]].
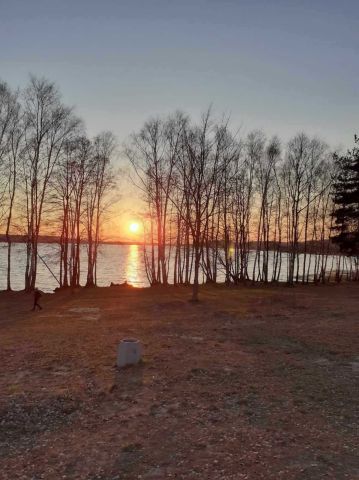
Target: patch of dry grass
[[256, 383]]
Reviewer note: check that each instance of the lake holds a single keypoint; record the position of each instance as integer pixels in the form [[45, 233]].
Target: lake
[[116, 263]]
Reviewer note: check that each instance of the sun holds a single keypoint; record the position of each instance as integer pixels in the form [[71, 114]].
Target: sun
[[134, 227]]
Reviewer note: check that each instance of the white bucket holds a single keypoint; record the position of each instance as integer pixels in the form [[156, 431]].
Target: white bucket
[[129, 352]]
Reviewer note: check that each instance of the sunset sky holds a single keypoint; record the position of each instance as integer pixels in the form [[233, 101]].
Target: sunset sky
[[280, 65]]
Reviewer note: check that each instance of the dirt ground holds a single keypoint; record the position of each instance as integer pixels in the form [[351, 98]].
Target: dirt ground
[[251, 383]]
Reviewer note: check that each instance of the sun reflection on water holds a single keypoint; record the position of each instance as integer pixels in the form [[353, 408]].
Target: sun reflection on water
[[133, 264]]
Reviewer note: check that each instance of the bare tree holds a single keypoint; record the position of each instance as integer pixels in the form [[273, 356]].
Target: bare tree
[[11, 134], [99, 183], [48, 125], [266, 180], [153, 153], [199, 171], [69, 182]]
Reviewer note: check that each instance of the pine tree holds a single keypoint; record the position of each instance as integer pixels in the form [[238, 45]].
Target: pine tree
[[346, 200]]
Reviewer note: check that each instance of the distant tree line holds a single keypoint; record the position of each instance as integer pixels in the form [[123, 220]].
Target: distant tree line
[[51, 174], [217, 202]]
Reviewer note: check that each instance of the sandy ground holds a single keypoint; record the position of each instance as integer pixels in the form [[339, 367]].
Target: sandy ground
[[251, 383]]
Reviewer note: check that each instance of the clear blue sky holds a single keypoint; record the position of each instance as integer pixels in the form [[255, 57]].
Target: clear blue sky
[[280, 65]]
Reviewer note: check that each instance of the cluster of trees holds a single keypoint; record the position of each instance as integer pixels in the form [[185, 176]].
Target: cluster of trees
[[51, 174], [218, 205], [243, 206]]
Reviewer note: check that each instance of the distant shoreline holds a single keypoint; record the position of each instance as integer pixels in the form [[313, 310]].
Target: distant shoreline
[[311, 245], [52, 239]]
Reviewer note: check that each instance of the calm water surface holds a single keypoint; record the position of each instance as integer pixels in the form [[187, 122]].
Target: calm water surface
[[116, 263]]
